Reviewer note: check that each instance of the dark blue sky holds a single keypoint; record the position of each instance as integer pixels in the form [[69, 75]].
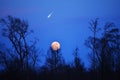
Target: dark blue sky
[[68, 23]]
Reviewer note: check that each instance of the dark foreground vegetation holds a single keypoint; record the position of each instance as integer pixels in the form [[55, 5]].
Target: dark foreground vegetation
[[19, 60]]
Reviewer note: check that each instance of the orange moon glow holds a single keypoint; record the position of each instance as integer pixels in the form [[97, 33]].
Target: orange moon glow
[[55, 45]]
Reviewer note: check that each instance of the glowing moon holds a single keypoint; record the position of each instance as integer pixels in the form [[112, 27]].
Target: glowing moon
[[55, 45]]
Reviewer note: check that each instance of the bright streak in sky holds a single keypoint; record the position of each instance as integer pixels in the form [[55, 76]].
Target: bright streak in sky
[[50, 15]]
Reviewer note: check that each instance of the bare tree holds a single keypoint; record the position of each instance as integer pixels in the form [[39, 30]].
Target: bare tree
[[77, 61], [54, 59], [78, 65], [16, 31], [105, 49], [92, 43]]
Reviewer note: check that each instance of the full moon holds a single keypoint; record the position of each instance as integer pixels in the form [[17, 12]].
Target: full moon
[[55, 45]]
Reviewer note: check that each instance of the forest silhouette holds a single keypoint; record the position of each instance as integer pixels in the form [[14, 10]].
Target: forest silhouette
[[19, 62]]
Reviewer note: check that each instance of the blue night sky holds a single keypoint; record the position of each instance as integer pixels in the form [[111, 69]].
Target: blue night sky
[[68, 23]]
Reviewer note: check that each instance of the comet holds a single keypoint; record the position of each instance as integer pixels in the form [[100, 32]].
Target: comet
[[50, 15]]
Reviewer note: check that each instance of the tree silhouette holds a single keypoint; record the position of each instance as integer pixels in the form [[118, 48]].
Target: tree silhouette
[[92, 43], [23, 52], [54, 59], [78, 66], [109, 48], [105, 49]]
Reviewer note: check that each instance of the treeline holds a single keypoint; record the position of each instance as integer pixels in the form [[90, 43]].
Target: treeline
[[20, 60]]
